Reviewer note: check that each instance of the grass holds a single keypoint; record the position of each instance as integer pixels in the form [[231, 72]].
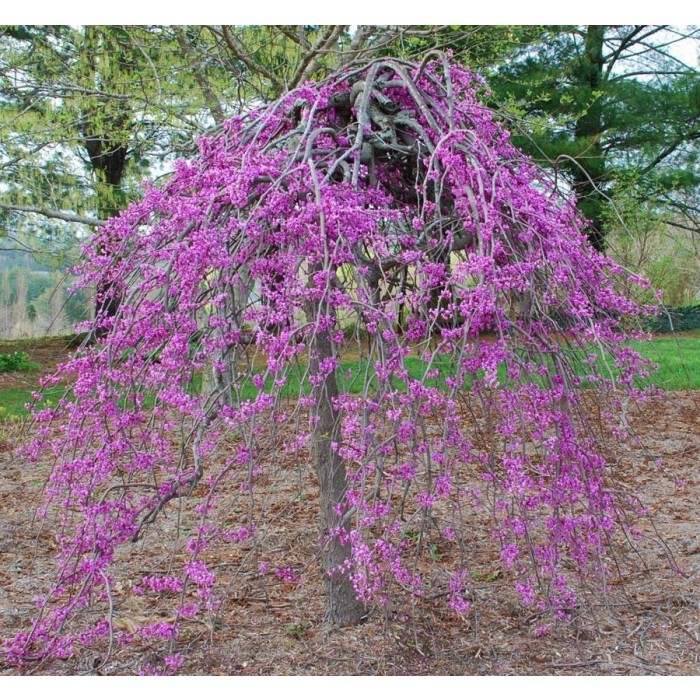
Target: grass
[[13, 401], [350, 378], [678, 358]]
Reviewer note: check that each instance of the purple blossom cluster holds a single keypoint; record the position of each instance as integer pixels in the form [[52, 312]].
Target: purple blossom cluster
[[387, 205]]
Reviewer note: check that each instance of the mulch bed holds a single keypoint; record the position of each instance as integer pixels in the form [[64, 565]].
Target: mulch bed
[[648, 623]]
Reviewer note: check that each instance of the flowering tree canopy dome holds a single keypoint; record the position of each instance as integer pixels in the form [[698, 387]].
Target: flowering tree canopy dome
[[383, 209]]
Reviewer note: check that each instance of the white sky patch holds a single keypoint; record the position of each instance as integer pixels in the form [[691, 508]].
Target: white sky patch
[[358, 12], [688, 51]]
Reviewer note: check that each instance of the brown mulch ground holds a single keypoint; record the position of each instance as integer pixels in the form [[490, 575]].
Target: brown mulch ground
[[648, 624]]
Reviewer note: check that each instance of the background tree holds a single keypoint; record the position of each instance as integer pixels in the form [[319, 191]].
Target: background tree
[[616, 105], [86, 112]]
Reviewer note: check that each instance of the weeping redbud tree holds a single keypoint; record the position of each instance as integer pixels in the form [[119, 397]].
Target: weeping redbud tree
[[365, 277]]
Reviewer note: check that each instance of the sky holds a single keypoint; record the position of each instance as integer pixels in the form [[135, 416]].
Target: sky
[[357, 12]]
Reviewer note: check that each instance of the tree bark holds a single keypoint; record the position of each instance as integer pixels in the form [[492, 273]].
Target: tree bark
[[343, 607], [104, 136], [590, 175], [109, 162]]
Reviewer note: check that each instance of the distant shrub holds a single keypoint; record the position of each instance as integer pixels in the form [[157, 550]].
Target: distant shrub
[[680, 318], [16, 362]]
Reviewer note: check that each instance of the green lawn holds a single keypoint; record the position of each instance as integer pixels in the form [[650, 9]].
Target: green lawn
[[13, 401], [678, 358]]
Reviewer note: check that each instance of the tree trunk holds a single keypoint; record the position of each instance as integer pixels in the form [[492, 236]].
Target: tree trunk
[[589, 177], [343, 608], [109, 166], [105, 132]]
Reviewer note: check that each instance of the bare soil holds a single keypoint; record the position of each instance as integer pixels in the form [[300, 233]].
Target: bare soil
[[647, 624]]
